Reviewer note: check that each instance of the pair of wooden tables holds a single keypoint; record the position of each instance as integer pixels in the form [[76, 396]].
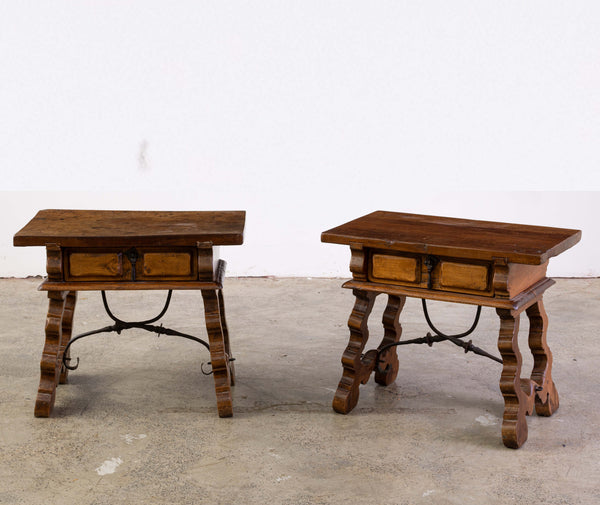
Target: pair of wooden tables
[[402, 255]]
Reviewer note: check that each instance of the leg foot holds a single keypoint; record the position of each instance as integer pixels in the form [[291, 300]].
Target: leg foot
[[357, 368], [514, 424], [218, 355], [387, 370]]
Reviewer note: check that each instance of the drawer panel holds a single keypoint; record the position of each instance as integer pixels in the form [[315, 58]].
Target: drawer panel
[[463, 276], [167, 264], [431, 272], [404, 269], [95, 265], [116, 264]]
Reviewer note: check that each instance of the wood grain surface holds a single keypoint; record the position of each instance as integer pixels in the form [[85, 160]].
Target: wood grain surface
[[105, 228], [444, 236]]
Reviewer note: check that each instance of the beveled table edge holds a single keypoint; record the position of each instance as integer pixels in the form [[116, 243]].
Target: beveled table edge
[[517, 303]]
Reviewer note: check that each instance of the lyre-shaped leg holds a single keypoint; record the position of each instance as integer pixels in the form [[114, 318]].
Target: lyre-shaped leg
[[357, 368], [386, 370], [219, 356], [51, 362], [546, 399], [514, 424]]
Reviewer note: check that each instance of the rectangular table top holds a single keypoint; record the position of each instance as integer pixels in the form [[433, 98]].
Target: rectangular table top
[[447, 236], [108, 228]]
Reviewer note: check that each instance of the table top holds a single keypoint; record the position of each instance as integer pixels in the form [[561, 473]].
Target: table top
[[447, 236], [103, 228]]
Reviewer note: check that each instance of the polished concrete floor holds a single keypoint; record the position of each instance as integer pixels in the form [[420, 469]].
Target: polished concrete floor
[[137, 423]]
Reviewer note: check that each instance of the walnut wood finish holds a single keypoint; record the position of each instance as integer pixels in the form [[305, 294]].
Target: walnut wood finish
[[460, 238], [522, 395], [107, 228], [226, 337], [93, 250], [498, 265], [515, 303], [516, 404], [358, 367], [58, 330], [546, 400], [387, 370], [219, 350], [67, 331]]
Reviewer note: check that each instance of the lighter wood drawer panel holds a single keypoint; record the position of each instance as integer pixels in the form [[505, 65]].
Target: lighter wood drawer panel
[[463, 276], [96, 265], [395, 268], [159, 264]]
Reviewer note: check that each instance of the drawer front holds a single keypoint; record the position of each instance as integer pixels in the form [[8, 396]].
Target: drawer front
[[131, 264], [431, 272], [167, 265], [395, 269], [463, 276], [95, 266]]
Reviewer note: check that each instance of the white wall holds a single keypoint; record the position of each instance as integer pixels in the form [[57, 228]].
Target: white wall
[[306, 114]]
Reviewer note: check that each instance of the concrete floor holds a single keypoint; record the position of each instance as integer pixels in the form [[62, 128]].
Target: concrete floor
[[137, 422]]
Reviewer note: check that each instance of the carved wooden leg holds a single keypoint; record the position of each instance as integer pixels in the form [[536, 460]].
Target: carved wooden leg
[[514, 424], [218, 354], [357, 368], [391, 325], [50, 364], [546, 399], [226, 337], [67, 330]]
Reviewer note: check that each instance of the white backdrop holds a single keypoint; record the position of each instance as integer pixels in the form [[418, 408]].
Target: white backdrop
[[306, 114]]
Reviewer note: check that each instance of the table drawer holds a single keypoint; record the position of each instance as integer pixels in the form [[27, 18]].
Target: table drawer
[[457, 276], [401, 269], [167, 265], [431, 272], [131, 264], [95, 265]]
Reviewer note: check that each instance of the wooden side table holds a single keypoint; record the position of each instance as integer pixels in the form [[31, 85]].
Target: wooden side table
[[131, 250], [481, 263]]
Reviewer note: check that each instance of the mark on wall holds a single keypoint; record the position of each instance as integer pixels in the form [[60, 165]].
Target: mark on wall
[[143, 165]]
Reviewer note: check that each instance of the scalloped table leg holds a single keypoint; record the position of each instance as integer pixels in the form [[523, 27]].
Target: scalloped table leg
[[67, 330], [226, 337], [546, 399], [389, 364], [219, 355], [51, 362], [514, 424], [357, 368]]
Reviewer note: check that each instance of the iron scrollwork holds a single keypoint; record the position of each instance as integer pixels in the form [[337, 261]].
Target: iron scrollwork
[[121, 325]]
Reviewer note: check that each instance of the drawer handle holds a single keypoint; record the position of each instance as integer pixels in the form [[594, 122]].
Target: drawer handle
[[430, 263]]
